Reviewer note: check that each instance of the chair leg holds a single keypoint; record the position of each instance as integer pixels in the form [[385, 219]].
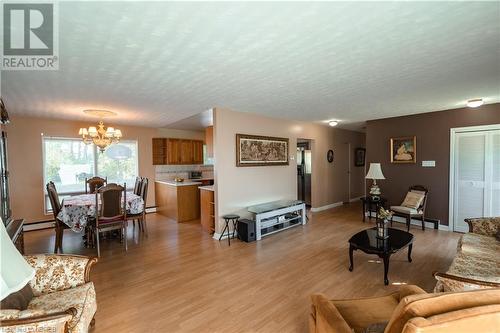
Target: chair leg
[[97, 239], [145, 227], [61, 234], [56, 240], [423, 223], [408, 222], [391, 220], [125, 234]]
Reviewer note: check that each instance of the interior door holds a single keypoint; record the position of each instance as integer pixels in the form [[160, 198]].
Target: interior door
[[476, 176]]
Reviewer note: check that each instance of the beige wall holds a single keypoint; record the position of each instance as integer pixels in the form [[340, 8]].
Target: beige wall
[[180, 134], [25, 159], [238, 188]]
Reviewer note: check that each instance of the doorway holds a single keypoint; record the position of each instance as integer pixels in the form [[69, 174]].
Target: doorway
[[474, 174], [304, 170]]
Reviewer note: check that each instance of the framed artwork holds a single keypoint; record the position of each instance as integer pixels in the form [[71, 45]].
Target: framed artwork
[[329, 156], [404, 149], [254, 150], [359, 156]]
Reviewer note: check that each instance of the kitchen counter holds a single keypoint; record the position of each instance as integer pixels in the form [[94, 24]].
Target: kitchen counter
[[178, 201], [174, 183], [207, 188]]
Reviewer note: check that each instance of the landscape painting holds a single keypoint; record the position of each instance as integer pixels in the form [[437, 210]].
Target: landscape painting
[[253, 150], [404, 150]]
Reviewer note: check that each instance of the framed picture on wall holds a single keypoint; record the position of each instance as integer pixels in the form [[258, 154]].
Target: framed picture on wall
[[404, 149], [359, 156], [254, 150]]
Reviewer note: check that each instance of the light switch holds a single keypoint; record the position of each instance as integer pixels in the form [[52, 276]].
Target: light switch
[[429, 164]]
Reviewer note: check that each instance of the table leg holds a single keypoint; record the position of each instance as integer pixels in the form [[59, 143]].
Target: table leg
[[386, 268], [351, 250], [409, 251], [377, 207], [364, 211]]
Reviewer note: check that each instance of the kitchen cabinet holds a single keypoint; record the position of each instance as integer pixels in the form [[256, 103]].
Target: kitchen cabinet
[[207, 209], [209, 140], [177, 151]]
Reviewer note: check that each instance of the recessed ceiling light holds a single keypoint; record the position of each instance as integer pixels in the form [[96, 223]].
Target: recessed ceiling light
[[474, 103], [333, 123]]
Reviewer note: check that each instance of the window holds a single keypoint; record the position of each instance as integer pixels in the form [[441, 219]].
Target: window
[[68, 162]]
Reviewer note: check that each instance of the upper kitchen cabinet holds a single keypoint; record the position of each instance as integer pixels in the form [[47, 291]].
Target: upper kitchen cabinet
[[177, 151], [209, 140]]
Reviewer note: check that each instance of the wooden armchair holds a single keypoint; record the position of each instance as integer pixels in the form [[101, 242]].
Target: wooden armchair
[[410, 211], [64, 297], [56, 208], [111, 213], [94, 183]]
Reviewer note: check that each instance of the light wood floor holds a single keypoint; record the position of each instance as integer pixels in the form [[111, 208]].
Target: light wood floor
[[181, 280]]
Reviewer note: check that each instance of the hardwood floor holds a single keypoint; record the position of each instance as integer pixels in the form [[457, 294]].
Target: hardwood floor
[[181, 280]]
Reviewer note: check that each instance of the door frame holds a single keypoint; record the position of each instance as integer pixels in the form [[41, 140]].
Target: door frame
[[451, 191]]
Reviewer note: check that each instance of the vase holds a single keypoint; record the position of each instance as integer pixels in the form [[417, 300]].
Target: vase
[[382, 229]]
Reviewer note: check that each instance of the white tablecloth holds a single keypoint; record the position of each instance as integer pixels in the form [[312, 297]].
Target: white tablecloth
[[76, 209]]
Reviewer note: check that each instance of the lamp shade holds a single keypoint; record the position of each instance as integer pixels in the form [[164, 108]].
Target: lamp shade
[[15, 272], [375, 172]]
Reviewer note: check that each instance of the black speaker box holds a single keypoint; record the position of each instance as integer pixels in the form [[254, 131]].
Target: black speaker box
[[246, 230]]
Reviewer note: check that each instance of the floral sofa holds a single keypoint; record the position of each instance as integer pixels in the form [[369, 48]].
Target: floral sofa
[[477, 263], [64, 298]]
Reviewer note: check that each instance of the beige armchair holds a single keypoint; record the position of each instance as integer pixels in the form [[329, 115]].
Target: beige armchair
[[412, 207], [409, 310], [64, 298]]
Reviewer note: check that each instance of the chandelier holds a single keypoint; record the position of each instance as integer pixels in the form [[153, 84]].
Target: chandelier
[[101, 136]]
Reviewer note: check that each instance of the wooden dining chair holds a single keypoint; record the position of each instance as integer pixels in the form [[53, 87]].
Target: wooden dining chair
[[137, 186], [111, 213], [94, 183], [56, 208], [141, 217]]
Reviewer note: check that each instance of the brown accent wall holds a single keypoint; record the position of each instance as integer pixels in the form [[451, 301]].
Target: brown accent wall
[[433, 143]]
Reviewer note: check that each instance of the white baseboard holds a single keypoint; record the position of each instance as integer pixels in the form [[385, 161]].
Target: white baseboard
[[322, 208], [150, 210], [444, 227], [38, 226], [217, 235], [356, 199]]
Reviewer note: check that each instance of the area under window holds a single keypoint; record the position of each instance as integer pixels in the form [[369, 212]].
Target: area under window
[[68, 162]]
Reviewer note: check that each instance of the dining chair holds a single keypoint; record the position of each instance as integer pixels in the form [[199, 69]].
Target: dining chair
[[94, 183], [56, 208], [141, 217], [137, 186], [413, 205], [111, 213]]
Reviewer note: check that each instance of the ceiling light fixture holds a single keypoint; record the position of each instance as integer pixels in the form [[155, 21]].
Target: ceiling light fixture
[[474, 103], [333, 123], [102, 137]]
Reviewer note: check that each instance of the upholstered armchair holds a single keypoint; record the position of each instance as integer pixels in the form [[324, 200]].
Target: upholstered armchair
[[413, 206], [64, 298], [409, 310]]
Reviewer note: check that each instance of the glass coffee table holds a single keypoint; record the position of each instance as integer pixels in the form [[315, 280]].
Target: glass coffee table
[[368, 242]]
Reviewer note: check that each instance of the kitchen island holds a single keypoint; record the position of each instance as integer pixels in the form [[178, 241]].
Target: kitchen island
[[178, 200]]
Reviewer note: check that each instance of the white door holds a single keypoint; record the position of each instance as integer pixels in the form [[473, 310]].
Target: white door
[[476, 179]]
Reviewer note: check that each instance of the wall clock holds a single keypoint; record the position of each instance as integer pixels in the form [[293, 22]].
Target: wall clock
[[329, 156]]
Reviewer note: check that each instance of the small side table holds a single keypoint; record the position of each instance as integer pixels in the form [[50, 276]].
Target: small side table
[[229, 218], [369, 202]]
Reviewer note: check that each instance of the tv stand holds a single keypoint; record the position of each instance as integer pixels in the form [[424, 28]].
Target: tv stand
[[276, 216]]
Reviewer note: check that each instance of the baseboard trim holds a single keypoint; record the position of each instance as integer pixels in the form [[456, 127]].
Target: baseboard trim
[[217, 235], [356, 199], [322, 208], [38, 226]]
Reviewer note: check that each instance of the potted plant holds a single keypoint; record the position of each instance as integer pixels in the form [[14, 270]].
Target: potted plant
[[382, 222]]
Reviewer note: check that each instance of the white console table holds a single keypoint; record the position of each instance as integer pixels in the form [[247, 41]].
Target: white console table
[[277, 216]]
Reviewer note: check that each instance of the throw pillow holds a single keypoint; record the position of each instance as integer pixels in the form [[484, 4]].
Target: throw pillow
[[413, 200], [18, 300]]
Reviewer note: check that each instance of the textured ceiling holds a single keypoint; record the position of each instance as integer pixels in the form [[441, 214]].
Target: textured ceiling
[[156, 63]]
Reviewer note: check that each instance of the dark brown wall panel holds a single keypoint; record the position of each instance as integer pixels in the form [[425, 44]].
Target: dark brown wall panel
[[433, 143]]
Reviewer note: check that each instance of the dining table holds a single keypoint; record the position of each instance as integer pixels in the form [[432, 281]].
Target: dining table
[[77, 209]]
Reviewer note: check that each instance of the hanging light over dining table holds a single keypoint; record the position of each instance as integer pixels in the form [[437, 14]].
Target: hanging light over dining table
[[101, 136]]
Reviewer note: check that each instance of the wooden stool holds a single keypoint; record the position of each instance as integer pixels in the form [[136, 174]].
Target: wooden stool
[[229, 218]]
